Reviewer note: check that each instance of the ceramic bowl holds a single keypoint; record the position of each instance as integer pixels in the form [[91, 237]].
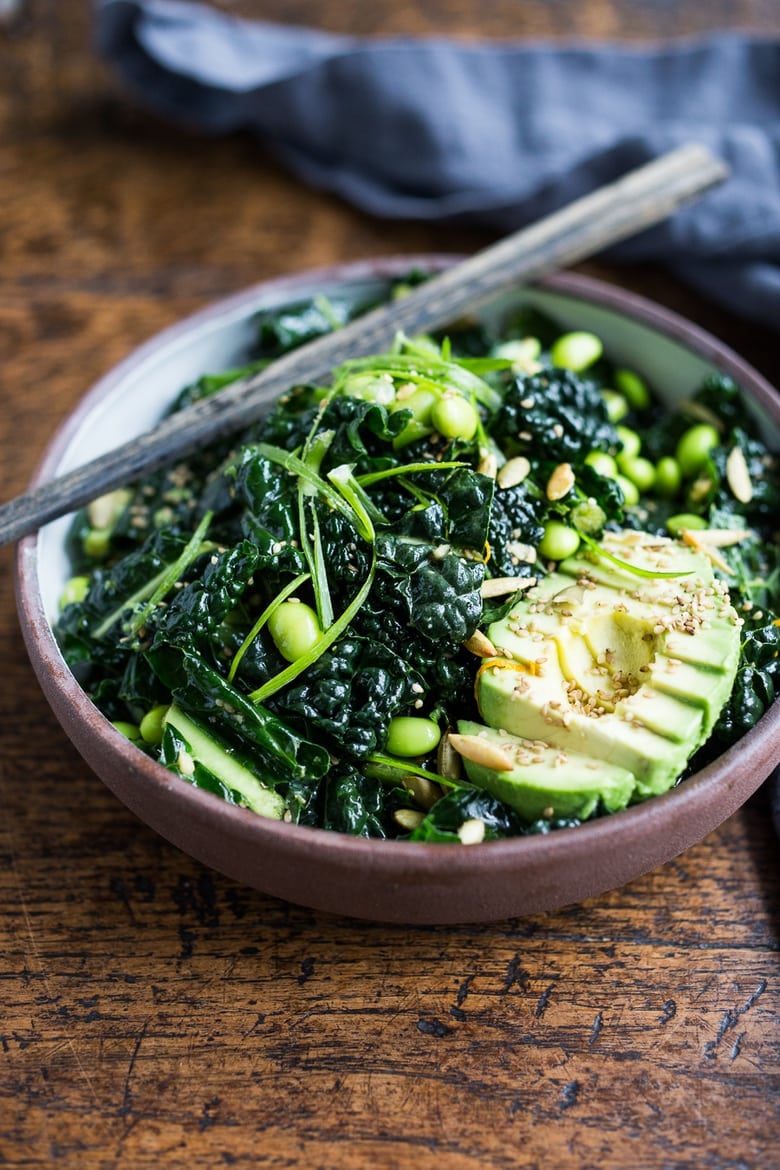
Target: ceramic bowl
[[382, 880]]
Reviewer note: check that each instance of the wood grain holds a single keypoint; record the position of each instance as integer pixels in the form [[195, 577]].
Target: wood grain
[[154, 1013]]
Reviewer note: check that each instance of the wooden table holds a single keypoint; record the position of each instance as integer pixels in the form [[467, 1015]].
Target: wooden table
[[156, 1014]]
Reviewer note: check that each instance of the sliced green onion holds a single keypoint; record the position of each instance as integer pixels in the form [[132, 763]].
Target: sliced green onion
[[272, 606]]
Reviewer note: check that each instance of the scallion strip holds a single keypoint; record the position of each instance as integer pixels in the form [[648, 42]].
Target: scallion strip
[[161, 584], [636, 569], [281, 680], [272, 606], [372, 477]]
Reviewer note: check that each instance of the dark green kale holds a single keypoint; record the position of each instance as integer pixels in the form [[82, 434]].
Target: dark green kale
[[279, 332], [436, 594], [554, 415], [348, 696], [202, 691], [357, 804], [515, 521], [441, 824]]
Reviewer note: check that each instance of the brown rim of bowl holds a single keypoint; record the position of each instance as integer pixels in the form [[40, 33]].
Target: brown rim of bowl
[[681, 816]]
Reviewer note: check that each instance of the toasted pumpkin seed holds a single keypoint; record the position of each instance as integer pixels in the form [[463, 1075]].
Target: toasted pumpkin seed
[[480, 645], [513, 472], [472, 831], [448, 762], [738, 475], [408, 818], [560, 482], [500, 586], [424, 791], [480, 751]]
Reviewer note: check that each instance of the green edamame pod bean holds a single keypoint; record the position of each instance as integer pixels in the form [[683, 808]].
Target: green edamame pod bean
[[616, 404], [295, 628], [421, 402], [521, 350], [694, 447], [454, 417], [75, 590], [635, 389], [558, 541], [371, 388], [667, 477], [576, 351], [96, 543], [128, 730], [603, 463], [677, 524], [629, 489], [631, 442], [640, 471], [151, 726], [408, 735]]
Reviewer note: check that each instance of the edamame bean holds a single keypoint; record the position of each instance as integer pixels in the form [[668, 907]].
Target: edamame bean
[[370, 388], [667, 477], [408, 735], [694, 447], [454, 417], [75, 590], [616, 405], [576, 351], [640, 471], [631, 442], [128, 730], [96, 543], [629, 489], [634, 388], [522, 353], [151, 726], [520, 349], [677, 524], [603, 463], [421, 402], [559, 541], [295, 628]]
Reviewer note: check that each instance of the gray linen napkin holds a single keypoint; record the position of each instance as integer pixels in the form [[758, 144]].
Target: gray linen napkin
[[489, 133]]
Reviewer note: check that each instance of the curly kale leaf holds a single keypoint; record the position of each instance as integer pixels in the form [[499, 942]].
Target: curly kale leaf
[[555, 415], [441, 824], [446, 670], [764, 473], [203, 692], [756, 686], [356, 804], [438, 596], [110, 589], [348, 696], [362, 433], [278, 332], [455, 510], [195, 616], [514, 522]]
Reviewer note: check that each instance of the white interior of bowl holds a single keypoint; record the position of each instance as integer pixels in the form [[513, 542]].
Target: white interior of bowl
[[139, 391]]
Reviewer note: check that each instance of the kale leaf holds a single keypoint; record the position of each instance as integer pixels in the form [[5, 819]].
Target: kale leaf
[[556, 415]]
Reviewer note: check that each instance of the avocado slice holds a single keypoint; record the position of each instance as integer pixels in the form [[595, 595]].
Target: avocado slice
[[545, 782], [628, 670]]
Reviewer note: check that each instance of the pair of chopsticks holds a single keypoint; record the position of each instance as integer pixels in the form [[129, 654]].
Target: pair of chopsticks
[[612, 213]]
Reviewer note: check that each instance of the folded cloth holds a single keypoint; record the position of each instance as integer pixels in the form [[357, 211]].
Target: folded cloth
[[489, 133]]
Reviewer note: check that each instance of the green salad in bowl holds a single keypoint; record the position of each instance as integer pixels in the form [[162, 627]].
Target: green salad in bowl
[[485, 585]]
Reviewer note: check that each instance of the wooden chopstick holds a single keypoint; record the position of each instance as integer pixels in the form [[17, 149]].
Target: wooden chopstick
[[636, 201]]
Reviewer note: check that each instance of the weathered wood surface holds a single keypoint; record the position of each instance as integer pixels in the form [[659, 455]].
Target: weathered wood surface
[[153, 1013]]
